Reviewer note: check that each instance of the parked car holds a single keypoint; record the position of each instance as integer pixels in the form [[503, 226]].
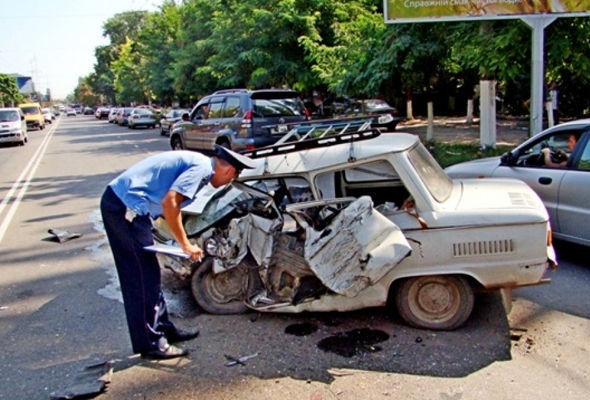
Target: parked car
[[77, 107], [13, 126], [385, 117], [564, 190], [316, 227], [171, 117], [239, 119], [33, 115], [88, 111], [337, 105], [71, 112], [113, 115], [102, 112], [140, 116], [122, 117]]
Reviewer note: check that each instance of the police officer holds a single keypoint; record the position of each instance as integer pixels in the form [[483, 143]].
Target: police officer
[[159, 185]]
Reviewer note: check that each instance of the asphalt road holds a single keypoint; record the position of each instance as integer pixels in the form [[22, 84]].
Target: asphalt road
[[59, 309]]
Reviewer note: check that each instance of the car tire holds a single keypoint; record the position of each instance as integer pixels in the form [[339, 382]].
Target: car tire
[[176, 143], [440, 302], [224, 143], [221, 293]]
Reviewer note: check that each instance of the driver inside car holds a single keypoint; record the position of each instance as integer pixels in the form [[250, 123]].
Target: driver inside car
[[560, 157]]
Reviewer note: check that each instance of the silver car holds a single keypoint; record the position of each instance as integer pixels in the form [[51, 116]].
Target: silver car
[[141, 116], [13, 127], [554, 163]]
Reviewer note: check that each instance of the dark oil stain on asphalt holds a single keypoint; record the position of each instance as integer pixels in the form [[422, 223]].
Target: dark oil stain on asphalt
[[302, 329], [351, 343]]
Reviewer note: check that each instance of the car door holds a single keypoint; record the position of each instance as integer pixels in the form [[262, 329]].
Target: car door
[[545, 181], [201, 135], [573, 215]]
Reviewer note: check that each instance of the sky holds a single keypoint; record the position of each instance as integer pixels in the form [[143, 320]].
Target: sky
[[54, 40]]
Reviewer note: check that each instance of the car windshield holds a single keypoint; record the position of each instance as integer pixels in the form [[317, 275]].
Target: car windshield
[[9, 115], [278, 107], [376, 105], [30, 110], [436, 181], [221, 204]]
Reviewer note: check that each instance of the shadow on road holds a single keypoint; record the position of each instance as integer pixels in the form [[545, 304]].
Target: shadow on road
[[571, 277]]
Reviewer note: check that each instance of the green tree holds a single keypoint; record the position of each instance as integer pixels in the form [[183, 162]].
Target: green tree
[[192, 77], [118, 29], [262, 50], [9, 94], [83, 93], [567, 62], [103, 83], [130, 82], [157, 42]]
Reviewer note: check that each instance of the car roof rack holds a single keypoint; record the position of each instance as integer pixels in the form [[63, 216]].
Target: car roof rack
[[328, 134], [225, 91]]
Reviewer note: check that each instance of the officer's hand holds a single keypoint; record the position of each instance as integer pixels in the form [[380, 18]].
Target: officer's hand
[[194, 252]]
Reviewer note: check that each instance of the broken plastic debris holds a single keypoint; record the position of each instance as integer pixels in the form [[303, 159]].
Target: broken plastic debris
[[241, 360], [61, 235], [92, 380]]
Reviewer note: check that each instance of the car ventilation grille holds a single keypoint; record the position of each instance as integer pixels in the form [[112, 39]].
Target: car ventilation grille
[[521, 199], [483, 248]]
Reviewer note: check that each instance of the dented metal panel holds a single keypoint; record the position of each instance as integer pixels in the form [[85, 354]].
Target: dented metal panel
[[356, 249]]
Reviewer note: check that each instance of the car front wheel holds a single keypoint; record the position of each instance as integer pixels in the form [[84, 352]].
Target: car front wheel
[[176, 143], [442, 302], [221, 293]]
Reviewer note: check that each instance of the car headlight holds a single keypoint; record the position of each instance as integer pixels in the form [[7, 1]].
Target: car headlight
[[385, 118], [211, 247]]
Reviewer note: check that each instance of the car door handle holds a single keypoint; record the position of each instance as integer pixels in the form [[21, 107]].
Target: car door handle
[[545, 180]]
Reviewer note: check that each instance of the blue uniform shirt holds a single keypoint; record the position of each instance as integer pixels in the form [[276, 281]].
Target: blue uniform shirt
[[143, 186]]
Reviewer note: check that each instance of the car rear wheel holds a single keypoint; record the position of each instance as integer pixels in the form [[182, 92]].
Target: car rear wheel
[[221, 293], [224, 143], [442, 302]]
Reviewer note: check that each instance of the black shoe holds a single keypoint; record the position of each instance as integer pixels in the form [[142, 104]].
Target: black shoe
[[180, 336], [170, 352]]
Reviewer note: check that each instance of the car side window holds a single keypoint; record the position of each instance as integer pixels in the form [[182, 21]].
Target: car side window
[[584, 163], [377, 179], [202, 112], [558, 142], [216, 109], [232, 107], [286, 190]]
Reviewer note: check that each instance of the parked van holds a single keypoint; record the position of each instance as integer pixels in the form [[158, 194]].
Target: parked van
[[33, 115], [13, 127]]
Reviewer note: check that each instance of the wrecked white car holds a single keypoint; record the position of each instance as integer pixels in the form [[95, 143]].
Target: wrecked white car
[[361, 220]]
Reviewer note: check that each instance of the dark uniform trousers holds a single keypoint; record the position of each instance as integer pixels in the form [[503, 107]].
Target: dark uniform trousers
[[139, 273]]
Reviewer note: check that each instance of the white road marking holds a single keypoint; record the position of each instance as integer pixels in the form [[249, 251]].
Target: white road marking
[[23, 181]]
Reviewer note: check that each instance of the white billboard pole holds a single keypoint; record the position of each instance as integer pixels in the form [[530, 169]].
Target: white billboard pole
[[538, 25]]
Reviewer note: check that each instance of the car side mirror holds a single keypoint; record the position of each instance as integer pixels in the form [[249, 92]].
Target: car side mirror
[[508, 159]]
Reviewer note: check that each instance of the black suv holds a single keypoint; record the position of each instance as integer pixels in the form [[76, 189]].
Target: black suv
[[239, 119]]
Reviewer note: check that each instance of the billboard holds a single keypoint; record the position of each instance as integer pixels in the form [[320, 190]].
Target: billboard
[[401, 11]]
